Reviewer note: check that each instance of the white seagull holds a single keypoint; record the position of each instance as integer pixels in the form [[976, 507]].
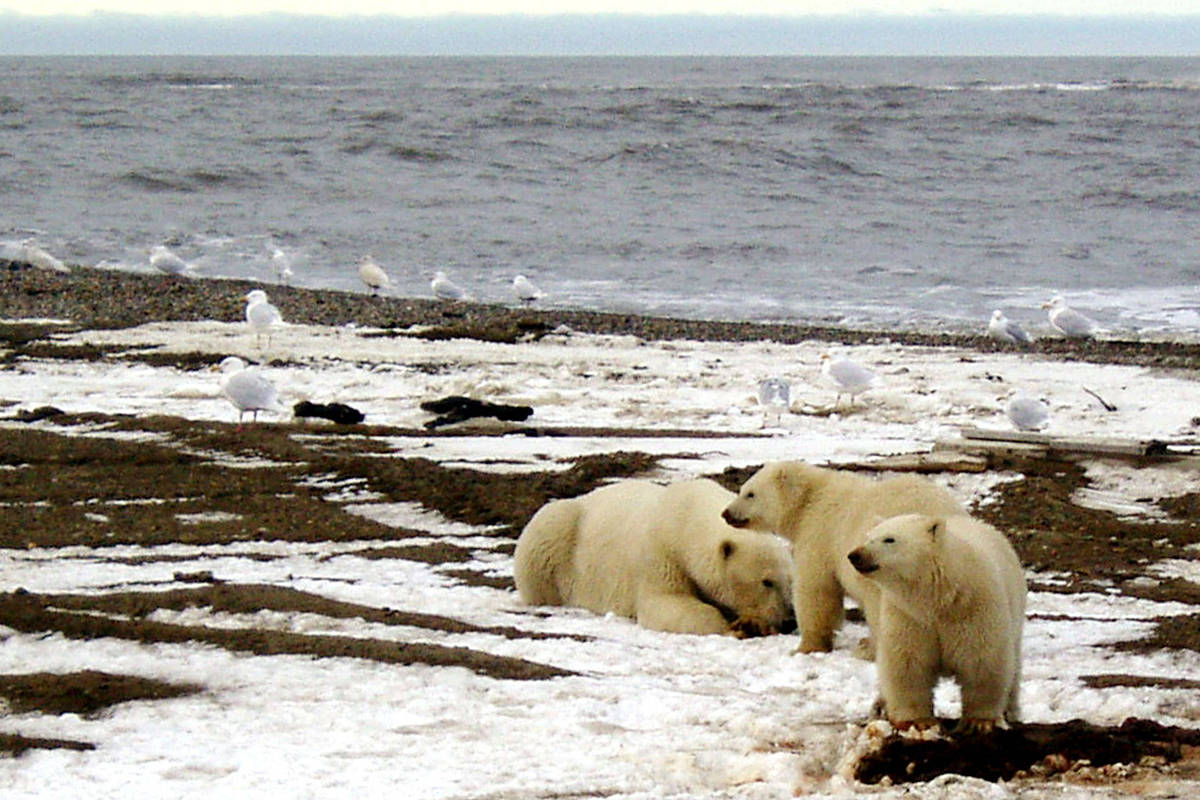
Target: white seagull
[[261, 316], [1067, 320], [282, 264], [247, 389], [167, 262], [1004, 329], [848, 376], [446, 289], [1027, 413], [372, 275], [29, 253], [775, 396], [527, 292]]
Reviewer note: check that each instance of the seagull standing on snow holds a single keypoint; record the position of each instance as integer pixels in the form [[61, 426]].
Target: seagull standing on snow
[[527, 292], [848, 376], [1004, 329], [1027, 413], [372, 275], [775, 396], [247, 389], [446, 289], [282, 264], [1067, 320], [167, 262], [261, 316]]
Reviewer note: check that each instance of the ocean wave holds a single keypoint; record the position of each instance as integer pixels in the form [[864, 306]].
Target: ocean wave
[[181, 80], [164, 180]]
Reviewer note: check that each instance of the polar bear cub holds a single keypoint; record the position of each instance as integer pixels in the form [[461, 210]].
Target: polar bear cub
[[952, 602], [659, 554], [826, 513]]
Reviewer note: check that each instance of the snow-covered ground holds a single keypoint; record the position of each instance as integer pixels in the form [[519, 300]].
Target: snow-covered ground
[[649, 715]]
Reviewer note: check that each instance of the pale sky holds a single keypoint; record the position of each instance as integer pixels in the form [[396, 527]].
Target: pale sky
[[419, 8]]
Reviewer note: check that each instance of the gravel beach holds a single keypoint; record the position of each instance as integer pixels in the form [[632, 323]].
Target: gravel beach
[[153, 531]]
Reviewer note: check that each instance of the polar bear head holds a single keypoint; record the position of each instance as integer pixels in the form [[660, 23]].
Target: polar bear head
[[899, 550], [770, 496], [753, 583]]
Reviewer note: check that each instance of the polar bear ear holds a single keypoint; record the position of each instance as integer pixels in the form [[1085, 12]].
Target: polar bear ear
[[728, 548]]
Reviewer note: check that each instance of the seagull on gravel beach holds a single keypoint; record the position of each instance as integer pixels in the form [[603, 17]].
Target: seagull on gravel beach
[[848, 376], [282, 264], [246, 388], [1004, 329], [373, 275], [167, 262], [1067, 320], [1027, 413], [261, 316], [446, 289], [527, 292], [29, 253]]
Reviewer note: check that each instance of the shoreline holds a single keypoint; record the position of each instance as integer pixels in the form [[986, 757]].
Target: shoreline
[[98, 298]]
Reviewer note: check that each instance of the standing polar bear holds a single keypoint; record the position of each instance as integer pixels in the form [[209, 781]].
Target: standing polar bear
[[658, 554], [826, 513], [952, 602]]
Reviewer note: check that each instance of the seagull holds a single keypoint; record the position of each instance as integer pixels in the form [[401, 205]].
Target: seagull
[[1067, 320], [167, 262], [246, 388], [446, 289], [29, 253], [527, 292], [1004, 329], [283, 265], [848, 376], [1027, 413], [775, 395], [261, 315], [372, 275]]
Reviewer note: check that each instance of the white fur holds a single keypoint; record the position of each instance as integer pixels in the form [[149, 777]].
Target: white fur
[[952, 602], [658, 554]]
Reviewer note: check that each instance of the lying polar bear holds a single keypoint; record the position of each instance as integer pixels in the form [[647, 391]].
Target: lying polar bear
[[659, 554]]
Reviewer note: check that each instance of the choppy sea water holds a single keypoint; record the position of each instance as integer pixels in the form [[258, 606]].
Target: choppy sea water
[[861, 191]]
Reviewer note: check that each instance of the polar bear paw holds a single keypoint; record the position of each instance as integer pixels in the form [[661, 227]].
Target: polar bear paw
[[976, 726]]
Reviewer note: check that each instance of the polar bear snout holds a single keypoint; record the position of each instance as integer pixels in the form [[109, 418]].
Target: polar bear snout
[[733, 519], [862, 561]]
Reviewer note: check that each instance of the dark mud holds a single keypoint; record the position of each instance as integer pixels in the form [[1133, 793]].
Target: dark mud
[[85, 693], [32, 613], [1028, 750]]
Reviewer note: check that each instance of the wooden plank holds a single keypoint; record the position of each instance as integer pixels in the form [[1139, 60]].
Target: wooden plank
[[1031, 443], [927, 462]]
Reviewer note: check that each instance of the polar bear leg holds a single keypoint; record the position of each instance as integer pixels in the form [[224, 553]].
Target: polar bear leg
[[987, 692], [818, 603], [679, 613], [907, 664]]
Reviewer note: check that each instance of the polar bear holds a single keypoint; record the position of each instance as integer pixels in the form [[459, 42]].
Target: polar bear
[[658, 554], [952, 602], [825, 513]]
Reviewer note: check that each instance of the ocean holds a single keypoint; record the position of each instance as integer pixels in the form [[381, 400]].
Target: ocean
[[912, 192]]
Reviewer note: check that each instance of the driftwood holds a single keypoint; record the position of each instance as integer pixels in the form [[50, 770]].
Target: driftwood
[[456, 408], [937, 461], [983, 440], [339, 413]]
